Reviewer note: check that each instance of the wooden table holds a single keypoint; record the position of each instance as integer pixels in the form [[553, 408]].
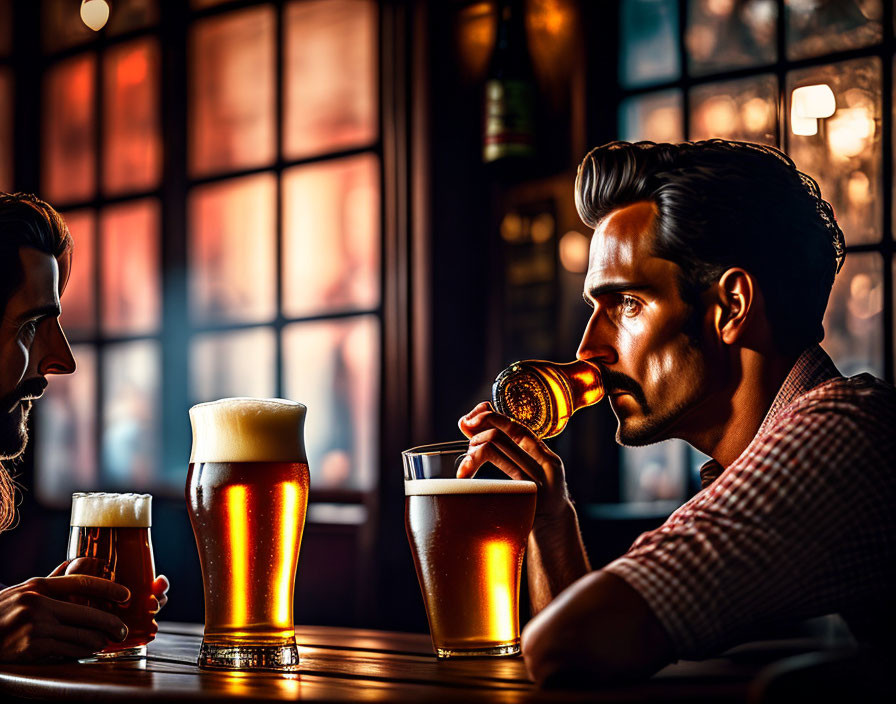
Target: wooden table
[[348, 664]]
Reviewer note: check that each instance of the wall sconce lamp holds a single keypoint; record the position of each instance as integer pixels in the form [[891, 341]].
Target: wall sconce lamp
[[808, 105], [94, 13]]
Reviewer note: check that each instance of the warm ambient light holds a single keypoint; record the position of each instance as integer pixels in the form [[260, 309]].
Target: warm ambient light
[[803, 126], [94, 13], [813, 101]]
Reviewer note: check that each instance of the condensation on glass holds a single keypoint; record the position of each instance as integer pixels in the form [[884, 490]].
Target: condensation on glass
[[130, 450], [648, 42], [656, 116], [68, 172], [333, 366], [232, 91], [61, 25], [65, 418], [816, 27], [657, 472], [232, 250], [131, 274], [132, 145], [131, 15], [742, 109], [331, 236], [219, 368], [78, 317], [846, 155], [730, 34], [853, 321], [330, 76], [7, 106]]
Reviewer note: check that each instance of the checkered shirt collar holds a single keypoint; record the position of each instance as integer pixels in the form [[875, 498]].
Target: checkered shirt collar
[[811, 369]]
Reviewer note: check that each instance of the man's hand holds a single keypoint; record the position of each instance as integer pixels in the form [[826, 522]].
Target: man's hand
[[556, 556], [40, 622], [516, 451]]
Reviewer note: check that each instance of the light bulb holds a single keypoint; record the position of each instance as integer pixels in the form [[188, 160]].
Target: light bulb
[[94, 13], [814, 101]]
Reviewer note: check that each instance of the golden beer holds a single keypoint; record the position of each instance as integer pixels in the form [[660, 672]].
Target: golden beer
[[468, 537], [543, 395], [114, 530], [247, 493]]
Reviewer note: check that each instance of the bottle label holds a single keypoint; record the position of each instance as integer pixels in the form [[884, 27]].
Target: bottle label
[[509, 119]]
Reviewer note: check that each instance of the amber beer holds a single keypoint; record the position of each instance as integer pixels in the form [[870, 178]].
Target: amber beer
[[114, 529], [468, 537], [247, 492], [543, 395]]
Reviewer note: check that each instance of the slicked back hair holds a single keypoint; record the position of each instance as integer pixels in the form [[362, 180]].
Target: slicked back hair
[[724, 204], [25, 221]]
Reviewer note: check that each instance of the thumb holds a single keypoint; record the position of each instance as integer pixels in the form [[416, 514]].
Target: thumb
[[60, 570]]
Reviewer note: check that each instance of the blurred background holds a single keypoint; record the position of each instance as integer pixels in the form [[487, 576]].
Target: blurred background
[[293, 199]]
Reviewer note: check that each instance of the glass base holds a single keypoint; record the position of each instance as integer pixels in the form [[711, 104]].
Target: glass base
[[496, 651], [217, 656], [138, 651]]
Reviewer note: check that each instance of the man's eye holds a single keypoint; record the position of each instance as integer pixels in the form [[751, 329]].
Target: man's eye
[[29, 329], [630, 306]]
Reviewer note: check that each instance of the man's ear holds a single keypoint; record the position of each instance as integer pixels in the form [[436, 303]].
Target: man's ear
[[737, 301]]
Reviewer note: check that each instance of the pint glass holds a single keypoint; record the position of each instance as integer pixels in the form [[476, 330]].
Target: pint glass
[[468, 537], [247, 491], [114, 530]]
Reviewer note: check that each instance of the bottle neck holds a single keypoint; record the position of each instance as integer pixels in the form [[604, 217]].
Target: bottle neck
[[511, 56], [585, 383]]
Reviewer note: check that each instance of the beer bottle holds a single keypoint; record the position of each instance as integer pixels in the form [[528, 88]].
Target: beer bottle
[[509, 129], [543, 395]]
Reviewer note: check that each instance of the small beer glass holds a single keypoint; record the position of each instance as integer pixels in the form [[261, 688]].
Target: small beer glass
[[114, 530], [468, 537]]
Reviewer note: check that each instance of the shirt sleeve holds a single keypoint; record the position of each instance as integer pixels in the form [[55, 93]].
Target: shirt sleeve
[[758, 544]]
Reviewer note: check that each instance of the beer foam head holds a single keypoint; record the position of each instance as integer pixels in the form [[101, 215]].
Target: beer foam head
[[248, 430], [102, 510], [432, 487]]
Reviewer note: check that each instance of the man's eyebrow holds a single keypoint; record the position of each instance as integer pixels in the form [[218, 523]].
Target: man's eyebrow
[[612, 287], [51, 309]]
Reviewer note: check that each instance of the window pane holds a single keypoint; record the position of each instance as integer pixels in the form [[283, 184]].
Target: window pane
[[655, 472], [61, 25], [232, 91], [78, 318], [845, 156], [657, 117], [128, 15], [742, 109], [331, 241], [65, 420], [68, 147], [333, 368], [130, 415], [330, 73], [649, 42], [219, 369], [853, 322], [131, 298], [724, 34], [6, 122], [133, 150], [232, 250], [816, 27]]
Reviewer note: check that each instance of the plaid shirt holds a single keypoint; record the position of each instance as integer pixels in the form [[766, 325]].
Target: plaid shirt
[[802, 524]]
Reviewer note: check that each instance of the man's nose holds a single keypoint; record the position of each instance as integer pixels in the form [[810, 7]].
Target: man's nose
[[55, 356], [597, 341]]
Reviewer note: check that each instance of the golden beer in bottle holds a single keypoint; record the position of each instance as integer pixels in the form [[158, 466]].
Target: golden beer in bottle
[[543, 395]]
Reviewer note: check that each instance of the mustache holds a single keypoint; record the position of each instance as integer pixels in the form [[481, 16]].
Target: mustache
[[617, 381], [30, 388]]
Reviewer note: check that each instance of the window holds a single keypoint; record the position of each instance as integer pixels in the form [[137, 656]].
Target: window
[[729, 69], [262, 276]]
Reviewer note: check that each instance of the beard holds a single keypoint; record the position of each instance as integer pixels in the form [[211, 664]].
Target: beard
[[14, 410]]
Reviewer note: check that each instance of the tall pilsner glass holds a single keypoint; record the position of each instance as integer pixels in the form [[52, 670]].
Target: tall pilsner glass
[[247, 492], [468, 537]]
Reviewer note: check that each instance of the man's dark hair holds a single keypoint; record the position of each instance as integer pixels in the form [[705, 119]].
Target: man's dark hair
[[25, 221], [725, 204]]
